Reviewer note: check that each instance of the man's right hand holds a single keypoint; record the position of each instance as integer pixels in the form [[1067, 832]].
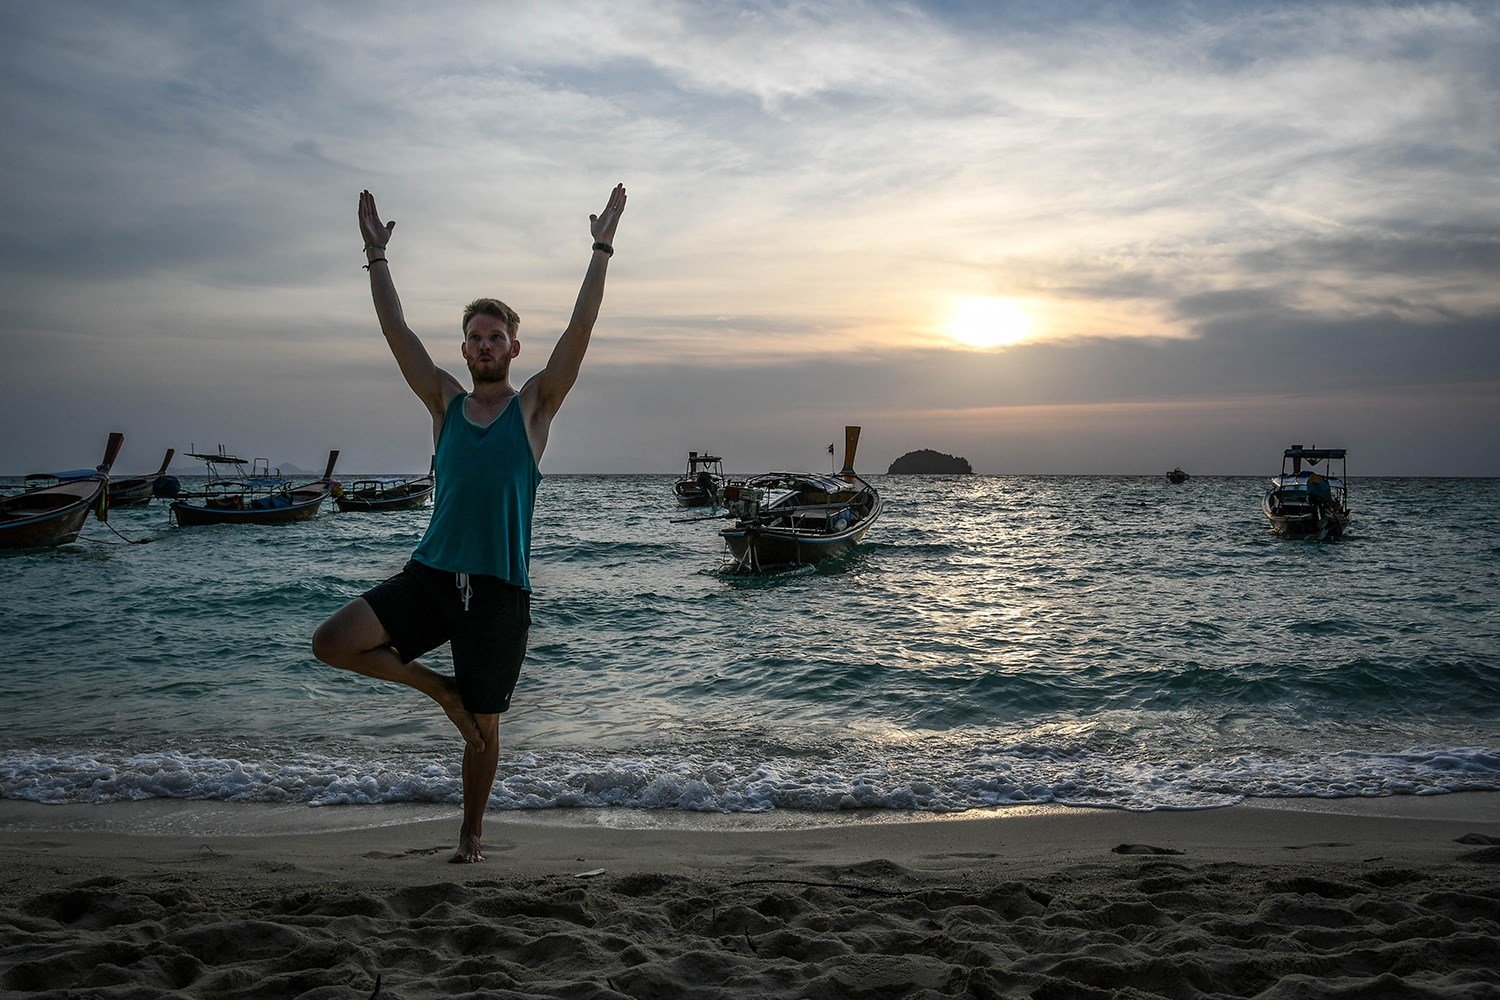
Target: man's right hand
[[375, 234]]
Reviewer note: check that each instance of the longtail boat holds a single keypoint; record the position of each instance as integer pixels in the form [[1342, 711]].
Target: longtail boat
[[703, 483], [130, 490], [1302, 503], [789, 519], [380, 493], [54, 515], [252, 500]]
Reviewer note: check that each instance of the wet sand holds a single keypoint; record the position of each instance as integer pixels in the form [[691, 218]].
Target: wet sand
[[1395, 897]]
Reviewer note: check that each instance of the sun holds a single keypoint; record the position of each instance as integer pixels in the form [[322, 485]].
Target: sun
[[989, 321]]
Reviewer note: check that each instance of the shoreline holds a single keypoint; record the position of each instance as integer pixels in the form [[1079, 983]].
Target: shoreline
[[1307, 898], [162, 817]]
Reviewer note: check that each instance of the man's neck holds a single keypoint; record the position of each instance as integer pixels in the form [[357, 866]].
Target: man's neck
[[492, 393]]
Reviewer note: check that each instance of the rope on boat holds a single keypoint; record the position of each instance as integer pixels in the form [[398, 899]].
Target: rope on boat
[[111, 527]]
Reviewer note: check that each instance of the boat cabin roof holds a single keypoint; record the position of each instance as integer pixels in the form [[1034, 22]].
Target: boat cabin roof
[[803, 480], [1313, 453], [65, 477]]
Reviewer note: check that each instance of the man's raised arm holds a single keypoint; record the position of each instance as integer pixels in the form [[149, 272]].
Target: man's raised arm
[[426, 379], [554, 381]]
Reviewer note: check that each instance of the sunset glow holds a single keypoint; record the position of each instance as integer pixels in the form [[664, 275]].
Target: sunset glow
[[987, 322]]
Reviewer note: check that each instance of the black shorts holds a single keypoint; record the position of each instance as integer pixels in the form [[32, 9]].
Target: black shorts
[[421, 608]]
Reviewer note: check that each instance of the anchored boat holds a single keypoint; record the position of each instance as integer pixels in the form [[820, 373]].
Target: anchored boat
[[380, 493], [703, 483], [1304, 503], [1177, 476], [789, 519], [256, 498], [54, 515], [132, 490]]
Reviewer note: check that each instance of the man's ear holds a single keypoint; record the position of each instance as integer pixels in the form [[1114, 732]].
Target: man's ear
[[515, 347]]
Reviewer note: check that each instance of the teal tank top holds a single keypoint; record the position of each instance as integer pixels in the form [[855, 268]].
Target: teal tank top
[[486, 490]]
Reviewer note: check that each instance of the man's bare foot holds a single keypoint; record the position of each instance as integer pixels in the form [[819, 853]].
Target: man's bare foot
[[453, 707], [468, 850]]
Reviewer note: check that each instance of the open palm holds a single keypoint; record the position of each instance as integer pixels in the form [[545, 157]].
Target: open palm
[[603, 225]]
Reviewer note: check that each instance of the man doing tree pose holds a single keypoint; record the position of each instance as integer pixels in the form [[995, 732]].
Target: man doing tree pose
[[467, 581]]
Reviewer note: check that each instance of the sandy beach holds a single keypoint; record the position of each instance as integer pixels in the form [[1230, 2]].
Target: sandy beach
[[1392, 897]]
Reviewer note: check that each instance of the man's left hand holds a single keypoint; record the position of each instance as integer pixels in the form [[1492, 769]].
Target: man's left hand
[[603, 225]]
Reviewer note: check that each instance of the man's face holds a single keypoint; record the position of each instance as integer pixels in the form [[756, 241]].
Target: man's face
[[488, 347]]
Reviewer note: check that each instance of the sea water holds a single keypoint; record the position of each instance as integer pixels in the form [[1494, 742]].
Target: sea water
[[1103, 641]]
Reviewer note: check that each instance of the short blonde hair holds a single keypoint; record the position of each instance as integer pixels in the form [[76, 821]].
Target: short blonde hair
[[490, 307]]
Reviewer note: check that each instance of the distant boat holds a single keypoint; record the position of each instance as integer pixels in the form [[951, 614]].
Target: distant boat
[[703, 483], [380, 493], [253, 499], [789, 519], [54, 515], [132, 490], [1177, 476], [1302, 503]]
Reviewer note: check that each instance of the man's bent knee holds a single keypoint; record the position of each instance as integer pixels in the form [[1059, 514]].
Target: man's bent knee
[[349, 631], [327, 644]]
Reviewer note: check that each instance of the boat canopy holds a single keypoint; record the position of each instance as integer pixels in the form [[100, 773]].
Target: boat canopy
[[220, 458], [1313, 454], [65, 477], [824, 481]]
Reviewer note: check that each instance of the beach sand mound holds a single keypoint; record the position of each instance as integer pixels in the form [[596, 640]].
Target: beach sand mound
[[1122, 927]]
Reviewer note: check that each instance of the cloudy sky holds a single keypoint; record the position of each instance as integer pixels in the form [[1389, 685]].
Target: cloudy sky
[[1047, 237]]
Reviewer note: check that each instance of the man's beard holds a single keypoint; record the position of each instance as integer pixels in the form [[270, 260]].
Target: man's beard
[[497, 372]]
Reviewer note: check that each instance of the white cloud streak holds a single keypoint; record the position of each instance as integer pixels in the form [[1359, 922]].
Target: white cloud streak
[[809, 182]]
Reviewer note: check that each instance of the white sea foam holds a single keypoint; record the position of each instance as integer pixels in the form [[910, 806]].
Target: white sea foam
[[734, 782]]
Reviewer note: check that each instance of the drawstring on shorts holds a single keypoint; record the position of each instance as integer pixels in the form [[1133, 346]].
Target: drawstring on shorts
[[462, 581]]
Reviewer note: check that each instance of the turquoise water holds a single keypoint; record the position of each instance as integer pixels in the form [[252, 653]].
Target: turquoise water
[[1088, 640]]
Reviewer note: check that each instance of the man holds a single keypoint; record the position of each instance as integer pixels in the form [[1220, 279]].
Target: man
[[467, 582]]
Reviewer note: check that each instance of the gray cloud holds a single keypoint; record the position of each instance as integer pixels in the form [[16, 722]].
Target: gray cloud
[[811, 185]]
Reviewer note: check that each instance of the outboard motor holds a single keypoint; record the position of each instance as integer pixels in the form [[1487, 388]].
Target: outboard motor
[[165, 486]]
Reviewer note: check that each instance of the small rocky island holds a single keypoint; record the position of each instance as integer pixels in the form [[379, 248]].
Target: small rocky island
[[926, 462]]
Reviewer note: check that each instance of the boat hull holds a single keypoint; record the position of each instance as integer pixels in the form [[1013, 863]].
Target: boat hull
[[47, 517], [1294, 520], [361, 505], [690, 493], [131, 492], [758, 549], [301, 507]]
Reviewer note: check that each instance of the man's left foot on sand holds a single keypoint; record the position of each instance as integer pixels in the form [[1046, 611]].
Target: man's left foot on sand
[[468, 851]]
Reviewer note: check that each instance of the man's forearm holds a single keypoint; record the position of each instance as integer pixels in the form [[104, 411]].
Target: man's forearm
[[575, 338], [591, 293], [383, 291]]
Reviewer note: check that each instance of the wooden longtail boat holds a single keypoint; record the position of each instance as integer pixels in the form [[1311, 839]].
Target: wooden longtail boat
[[259, 501], [131, 490], [380, 493], [703, 483], [54, 515], [1302, 503], [788, 519]]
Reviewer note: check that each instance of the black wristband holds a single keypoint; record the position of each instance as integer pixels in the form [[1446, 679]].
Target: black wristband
[[377, 260], [609, 251]]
